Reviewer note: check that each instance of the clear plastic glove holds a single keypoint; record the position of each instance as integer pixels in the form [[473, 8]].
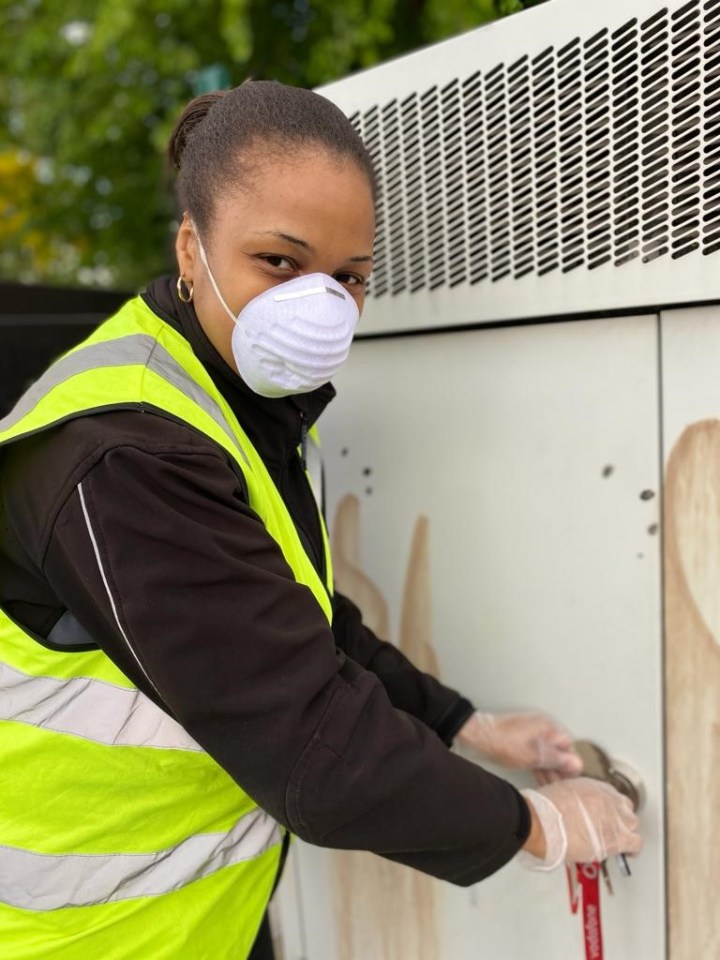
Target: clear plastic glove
[[525, 741], [583, 820]]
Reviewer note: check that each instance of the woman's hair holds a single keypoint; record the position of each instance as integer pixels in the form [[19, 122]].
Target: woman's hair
[[210, 145]]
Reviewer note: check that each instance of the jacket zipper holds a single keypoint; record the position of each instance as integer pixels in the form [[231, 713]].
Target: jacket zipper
[[303, 439]]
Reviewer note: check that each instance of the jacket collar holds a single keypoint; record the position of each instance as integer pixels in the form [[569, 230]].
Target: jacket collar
[[273, 425]]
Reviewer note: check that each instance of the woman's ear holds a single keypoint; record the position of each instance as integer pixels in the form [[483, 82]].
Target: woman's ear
[[186, 248]]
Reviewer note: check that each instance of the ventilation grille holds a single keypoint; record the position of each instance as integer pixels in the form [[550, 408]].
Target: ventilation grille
[[602, 151]]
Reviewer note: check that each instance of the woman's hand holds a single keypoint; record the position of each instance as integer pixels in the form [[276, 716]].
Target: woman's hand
[[525, 741], [578, 821]]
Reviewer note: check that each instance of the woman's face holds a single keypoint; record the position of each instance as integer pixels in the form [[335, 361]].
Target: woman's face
[[309, 214]]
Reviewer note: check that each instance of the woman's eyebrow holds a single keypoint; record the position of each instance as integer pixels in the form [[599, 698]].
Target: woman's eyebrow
[[279, 235]]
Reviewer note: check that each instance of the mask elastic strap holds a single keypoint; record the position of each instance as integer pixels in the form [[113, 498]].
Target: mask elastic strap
[[215, 287]]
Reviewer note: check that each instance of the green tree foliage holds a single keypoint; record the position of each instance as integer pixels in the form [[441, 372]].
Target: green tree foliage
[[90, 90]]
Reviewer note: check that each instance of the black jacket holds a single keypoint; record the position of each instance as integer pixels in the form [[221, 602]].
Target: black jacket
[[333, 732]]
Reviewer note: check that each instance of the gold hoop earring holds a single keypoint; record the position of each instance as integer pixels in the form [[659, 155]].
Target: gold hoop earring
[[186, 298]]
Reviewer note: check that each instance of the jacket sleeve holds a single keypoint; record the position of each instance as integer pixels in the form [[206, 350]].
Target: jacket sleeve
[[418, 693], [159, 558]]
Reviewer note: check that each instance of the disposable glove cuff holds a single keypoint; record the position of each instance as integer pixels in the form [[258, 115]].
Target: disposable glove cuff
[[553, 827]]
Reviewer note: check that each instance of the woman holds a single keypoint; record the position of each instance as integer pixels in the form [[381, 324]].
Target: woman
[[181, 687]]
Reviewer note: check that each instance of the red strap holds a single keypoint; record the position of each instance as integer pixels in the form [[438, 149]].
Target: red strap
[[573, 891], [588, 877]]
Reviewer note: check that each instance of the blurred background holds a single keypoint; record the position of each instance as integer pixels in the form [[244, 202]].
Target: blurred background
[[90, 90]]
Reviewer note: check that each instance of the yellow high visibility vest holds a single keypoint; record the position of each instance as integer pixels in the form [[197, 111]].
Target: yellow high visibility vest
[[119, 836]]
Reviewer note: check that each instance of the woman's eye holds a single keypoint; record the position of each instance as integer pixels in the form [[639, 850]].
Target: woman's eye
[[351, 279], [280, 263]]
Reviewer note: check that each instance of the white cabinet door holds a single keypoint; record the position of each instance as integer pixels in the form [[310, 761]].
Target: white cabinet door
[[533, 454]]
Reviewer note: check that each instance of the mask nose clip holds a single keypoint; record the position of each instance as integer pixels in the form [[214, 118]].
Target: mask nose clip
[[312, 291]]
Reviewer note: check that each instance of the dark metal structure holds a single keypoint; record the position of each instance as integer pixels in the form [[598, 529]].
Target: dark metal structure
[[38, 324]]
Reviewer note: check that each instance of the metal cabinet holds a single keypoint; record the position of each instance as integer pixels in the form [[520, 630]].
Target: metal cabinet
[[547, 171], [533, 453]]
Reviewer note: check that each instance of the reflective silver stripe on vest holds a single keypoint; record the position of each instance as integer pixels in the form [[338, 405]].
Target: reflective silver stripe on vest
[[36, 881], [88, 708], [136, 348]]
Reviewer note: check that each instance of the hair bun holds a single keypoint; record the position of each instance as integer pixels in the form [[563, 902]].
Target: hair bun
[[193, 114]]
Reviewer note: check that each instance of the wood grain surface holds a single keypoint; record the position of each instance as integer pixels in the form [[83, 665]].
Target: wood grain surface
[[692, 690], [382, 910]]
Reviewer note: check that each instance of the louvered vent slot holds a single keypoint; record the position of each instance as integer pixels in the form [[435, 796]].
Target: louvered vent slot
[[711, 131], [455, 213], [655, 137], [434, 187], [571, 156], [498, 174], [626, 136], [601, 151], [370, 127], [415, 192], [476, 185], [522, 212], [598, 149], [547, 162], [686, 121]]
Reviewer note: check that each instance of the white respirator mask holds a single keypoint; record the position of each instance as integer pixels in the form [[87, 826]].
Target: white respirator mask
[[293, 337]]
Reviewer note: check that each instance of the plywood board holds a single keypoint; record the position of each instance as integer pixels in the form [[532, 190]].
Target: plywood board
[[691, 395]]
